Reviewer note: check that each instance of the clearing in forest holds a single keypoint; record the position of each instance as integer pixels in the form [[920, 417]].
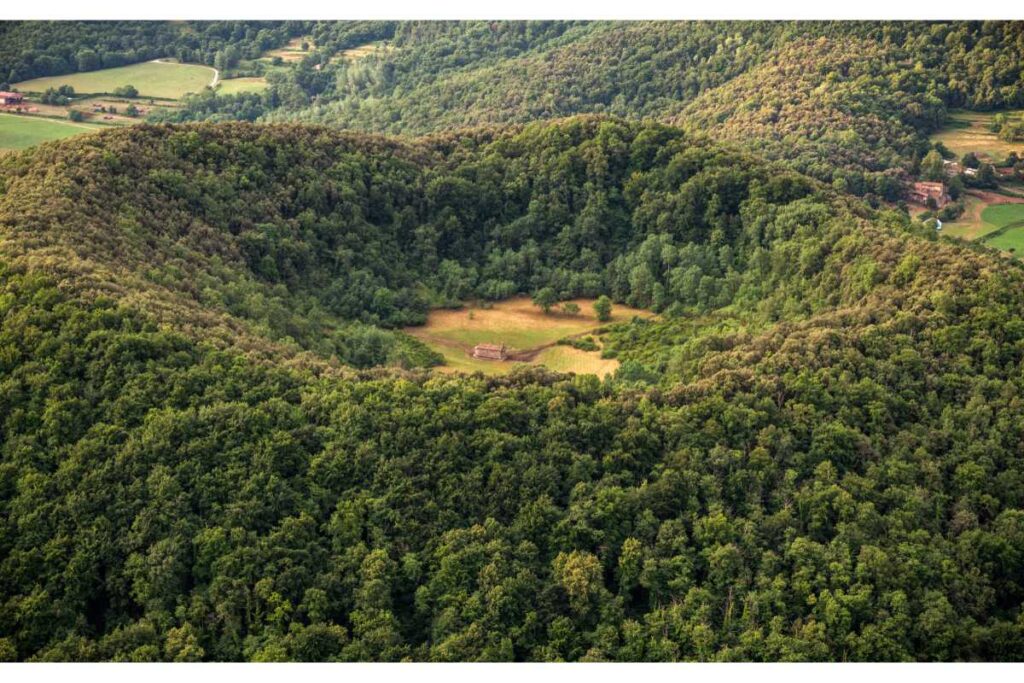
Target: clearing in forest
[[233, 86], [292, 52], [967, 131], [163, 79], [530, 334], [361, 51], [18, 131], [984, 213]]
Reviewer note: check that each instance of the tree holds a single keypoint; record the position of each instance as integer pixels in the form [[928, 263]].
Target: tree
[[956, 187], [986, 176], [545, 298], [931, 166], [970, 160], [570, 308], [76, 115], [88, 60], [131, 110], [603, 308], [126, 91]]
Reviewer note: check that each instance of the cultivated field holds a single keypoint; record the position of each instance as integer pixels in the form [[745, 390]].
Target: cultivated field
[[1009, 235], [233, 86], [967, 131], [169, 80], [524, 328], [20, 131]]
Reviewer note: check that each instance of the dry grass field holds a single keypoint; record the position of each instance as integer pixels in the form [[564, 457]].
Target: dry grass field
[[525, 329], [967, 131], [366, 50], [292, 52]]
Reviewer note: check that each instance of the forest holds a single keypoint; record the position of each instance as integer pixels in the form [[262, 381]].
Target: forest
[[217, 444], [850, 103]]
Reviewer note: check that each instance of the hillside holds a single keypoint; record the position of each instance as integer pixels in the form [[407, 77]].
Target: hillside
[[846, 102], [849, 103], [813, 454]]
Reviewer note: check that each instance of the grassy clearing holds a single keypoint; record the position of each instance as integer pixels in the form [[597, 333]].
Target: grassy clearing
[[523, 327], [967, 131], [233, 86], [969, 225], [1009, 235], [568, 359], [19, 131], [169, 80], [365, 50], [292, 52]]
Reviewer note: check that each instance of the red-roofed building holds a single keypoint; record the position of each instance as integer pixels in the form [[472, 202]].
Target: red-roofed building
[[921, 192], [11, 97]]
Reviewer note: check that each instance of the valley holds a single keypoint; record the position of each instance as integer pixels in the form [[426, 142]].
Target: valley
[[531, 335], [511, 341]]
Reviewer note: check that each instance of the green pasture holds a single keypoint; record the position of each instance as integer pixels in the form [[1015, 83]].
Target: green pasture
[[20, 131], [169, 80]]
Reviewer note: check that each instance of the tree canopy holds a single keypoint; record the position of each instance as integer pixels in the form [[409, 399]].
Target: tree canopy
[[813, 453]]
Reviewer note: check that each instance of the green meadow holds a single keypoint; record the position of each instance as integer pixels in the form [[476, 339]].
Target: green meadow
[[169, 80], [20, 131], [1009, 233]]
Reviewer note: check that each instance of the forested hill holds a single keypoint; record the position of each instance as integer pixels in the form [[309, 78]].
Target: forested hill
[[851, 102], [815, 453]]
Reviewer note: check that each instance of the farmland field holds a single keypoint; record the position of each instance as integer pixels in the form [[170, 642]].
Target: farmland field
[[1009, 235], [524, 328], [19, 131], [967, 131], [233, 86], [168, 80], [969, 225]]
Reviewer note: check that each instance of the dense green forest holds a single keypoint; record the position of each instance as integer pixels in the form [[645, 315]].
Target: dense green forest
[[849, 103], [846, 102], [814, 453]]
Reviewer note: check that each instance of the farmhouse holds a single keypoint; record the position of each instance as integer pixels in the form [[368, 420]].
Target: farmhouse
[[490, 351], [7, 98], [921, 192]]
